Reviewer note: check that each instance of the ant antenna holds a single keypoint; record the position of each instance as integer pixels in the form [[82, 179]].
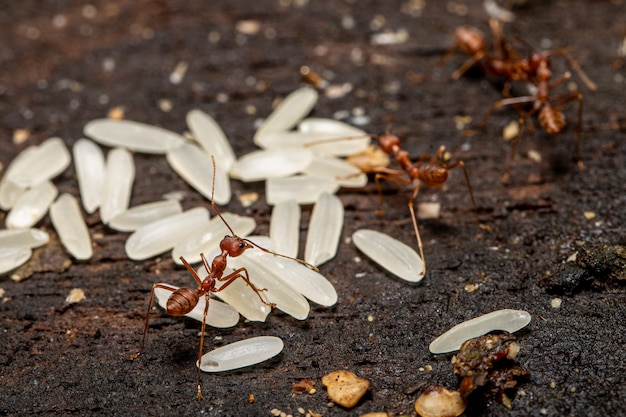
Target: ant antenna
[[217, 211]]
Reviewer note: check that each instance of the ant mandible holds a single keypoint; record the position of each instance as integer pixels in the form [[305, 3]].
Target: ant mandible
[[183, 300]]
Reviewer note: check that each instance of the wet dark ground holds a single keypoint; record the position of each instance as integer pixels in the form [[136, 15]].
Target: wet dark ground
[[63, 63]]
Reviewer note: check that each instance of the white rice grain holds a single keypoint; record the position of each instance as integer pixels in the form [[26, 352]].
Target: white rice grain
[[160, 236], [68, 221], [205, 238], [304, 280], [507, 319], [242, 298], [324, 229], [139, 137], [289, 112], [241, 354], [12, 257], [393, 255], [346, 174], [143, 214], [31, 206], [45, 162], [273, 163], [195, 166], [31, 238], [303, 188], [9, 190], [285, 228], [211, 137], [263, 275], [118, 182], [89, 164]]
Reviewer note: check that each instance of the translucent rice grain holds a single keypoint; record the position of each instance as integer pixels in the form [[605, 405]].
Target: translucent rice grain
[[9, 191], [89, 164], [205, 238], [306, 281], [507, 319], [211, 137], [195, 166], [118, 183], [241, 354], [220, 315], [289, 112], [160, 236], [393, 255], [131, 135], [31, 206], [69, 223], [356, 140], [347, 175], [324, 230], [263, 275], [13, 256], [304, 189], [141, 215], [274, 163], [242, 298], [45, 162], [31, 238], [285, 228]]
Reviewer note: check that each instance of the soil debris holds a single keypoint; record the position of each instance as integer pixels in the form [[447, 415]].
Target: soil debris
[[487, 361]]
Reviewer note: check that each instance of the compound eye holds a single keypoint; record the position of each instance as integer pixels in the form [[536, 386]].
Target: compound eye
[[242, 245]]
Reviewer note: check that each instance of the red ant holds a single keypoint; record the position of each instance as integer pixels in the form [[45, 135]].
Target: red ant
[[535, 69], [431, 171], [183, 300]]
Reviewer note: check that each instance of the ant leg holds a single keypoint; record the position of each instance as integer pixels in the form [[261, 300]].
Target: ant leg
[[579, 128], [502, 103], [562, 100], [575, 66], [415, 228], [145, 328], [467, 65], [206, 310], [390, 175], [243, 274], [191, 270], [471, 192]]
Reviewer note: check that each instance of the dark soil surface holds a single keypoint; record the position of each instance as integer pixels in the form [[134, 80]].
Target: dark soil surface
[[63, 63]]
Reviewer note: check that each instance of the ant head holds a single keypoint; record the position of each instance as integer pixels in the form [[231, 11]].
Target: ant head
[[388, 142], [536, 61], [234, 245], [470, 40]]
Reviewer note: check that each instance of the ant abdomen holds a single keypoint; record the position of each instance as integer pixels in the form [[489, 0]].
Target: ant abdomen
[[552, 120], [433, 175], [182, 301]]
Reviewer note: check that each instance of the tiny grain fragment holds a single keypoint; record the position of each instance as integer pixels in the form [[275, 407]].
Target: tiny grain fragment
[[437, 401], [345, 388]]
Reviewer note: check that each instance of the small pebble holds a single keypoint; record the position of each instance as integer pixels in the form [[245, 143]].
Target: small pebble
[[345, 388], [556, 302], [76, 295], [511, 131], [436, 401]]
